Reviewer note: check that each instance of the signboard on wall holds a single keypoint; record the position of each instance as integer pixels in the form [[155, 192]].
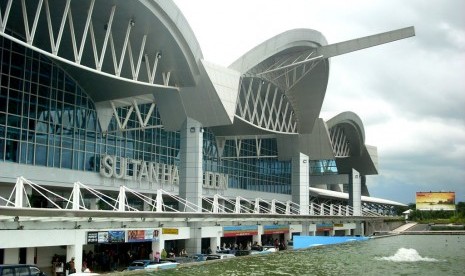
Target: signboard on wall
[[275, 229], [106, 237], [435, 201], [245, 230], [170, 231], [321, 227], [143, 235]]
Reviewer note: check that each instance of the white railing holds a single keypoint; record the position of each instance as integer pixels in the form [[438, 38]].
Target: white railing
[[218, 204]]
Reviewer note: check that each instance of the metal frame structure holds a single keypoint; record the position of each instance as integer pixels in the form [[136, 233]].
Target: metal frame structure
[[339, 142], [29, 39], [239, 205]]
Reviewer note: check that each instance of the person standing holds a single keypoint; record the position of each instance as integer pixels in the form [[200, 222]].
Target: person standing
[[71, 266]]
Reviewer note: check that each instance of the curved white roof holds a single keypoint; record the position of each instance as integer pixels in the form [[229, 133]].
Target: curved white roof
[[339, 195]]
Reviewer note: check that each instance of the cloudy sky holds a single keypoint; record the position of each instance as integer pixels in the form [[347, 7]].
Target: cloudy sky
[[410, 94]]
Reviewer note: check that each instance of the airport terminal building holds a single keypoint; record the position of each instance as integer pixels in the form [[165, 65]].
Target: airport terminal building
[[99, 95]]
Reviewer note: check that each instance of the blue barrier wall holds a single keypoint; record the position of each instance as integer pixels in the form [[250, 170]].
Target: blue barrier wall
[[309, 241]]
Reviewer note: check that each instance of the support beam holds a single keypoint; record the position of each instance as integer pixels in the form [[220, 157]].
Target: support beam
[[76, 196], [19, 195], [355, 196], [364, 42], [122, 199]]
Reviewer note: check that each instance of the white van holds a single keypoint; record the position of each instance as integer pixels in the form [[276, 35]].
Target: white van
[[20, 270]]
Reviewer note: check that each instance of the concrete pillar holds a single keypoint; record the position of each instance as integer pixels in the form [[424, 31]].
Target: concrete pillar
[[30, 255], [355, 195], [305, 229], [300, 179], [287, 237], [11, 256], [191, 174], [75, 251], [214, 242], [158, 243], [257, 238], [194, 243], [358, 231], [347, 232]]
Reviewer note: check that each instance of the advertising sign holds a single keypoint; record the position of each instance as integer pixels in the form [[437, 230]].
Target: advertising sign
[[321, 227], [435, 201], [142, 235], [105, 237], [116, 236], [92, 237], [275, 229], [246, 230], [170, 231]]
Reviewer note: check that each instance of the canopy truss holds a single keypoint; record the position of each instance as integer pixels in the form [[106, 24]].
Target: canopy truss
[[90, 52]]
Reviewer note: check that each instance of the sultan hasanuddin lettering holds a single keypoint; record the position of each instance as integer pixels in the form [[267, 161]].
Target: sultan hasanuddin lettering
[[157, 173]]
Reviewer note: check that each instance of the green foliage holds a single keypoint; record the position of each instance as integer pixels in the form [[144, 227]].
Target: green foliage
[[398, 210], [440, 216], [461, 209]]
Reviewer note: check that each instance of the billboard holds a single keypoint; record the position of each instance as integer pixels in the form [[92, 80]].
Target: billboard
[[105, 237], [245, 230], [435, 201], [143, 235]]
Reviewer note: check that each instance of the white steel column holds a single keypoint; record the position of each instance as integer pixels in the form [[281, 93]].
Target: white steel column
[[237, 209], [122, 199], [355, 193], [76, 196], [215, 204], [257, 206], [191, 174], [19, 192], [300, 182], [159, 201]]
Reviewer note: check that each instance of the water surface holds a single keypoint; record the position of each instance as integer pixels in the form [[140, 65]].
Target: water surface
[[398, 255]]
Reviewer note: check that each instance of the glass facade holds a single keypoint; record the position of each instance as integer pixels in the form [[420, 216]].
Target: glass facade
[[322, 167], [47, 119], [258, 174]]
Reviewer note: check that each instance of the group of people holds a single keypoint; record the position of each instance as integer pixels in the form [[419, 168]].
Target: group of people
[[172, 253], [62, 268]]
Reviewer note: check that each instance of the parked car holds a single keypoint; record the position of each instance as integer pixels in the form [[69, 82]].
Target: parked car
[[264, 250], [148, 264], [191, 258], [162, 265], [20, 270], [139, 264], [219, 256]]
